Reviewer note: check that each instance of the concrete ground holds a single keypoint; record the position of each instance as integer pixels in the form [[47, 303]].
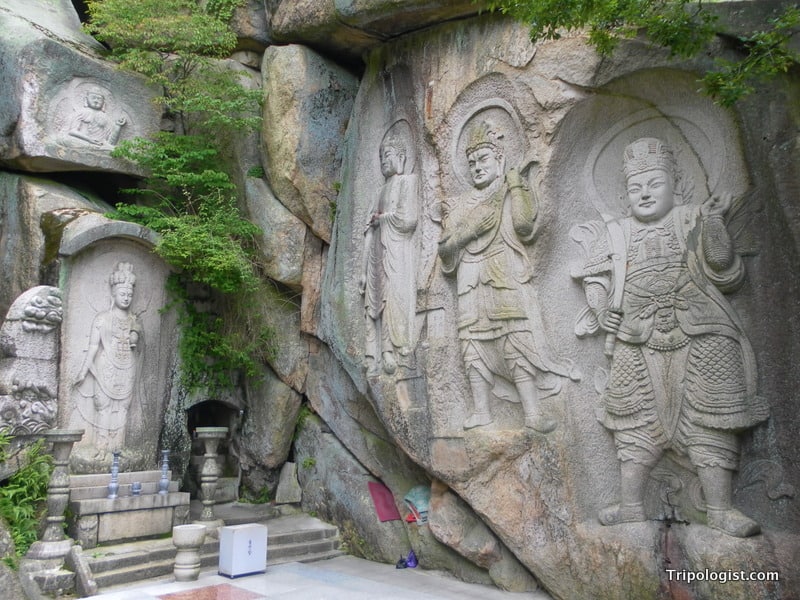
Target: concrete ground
[[341, 578]]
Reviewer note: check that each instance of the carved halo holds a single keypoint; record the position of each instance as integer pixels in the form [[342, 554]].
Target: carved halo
[[505, 121], [699, 160], [401, 129]]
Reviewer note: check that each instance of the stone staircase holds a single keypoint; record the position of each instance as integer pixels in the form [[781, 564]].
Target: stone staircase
[[290, 538]]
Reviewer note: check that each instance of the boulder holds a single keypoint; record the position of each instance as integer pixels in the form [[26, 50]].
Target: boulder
[[269, 422], [349, 27], [307, 105], [9, 578], [289, 346], [289, 491], [335, 487], [350, 416], [453, 523], [250, 21], [283, 236], [65, 109], [33, 213]]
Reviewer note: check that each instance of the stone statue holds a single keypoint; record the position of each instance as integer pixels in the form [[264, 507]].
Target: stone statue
[[683, 374], [388, 280], [503, 345], [93, 125], [110, 372], [29, 350]]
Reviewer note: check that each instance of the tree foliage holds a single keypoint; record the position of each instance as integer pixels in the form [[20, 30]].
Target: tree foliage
[[133, 27], [189, 196], [685, 27]]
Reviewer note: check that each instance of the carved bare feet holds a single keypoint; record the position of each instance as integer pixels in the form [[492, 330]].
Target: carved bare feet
[[732, 522], [621, 513], [389, 364], [541, 424], [478, 419]]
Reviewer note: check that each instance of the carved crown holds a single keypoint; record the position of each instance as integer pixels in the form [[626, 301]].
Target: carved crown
[[484, 135], [123, 275], [646, 154]]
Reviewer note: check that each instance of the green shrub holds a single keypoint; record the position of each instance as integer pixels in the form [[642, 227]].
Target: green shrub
[[23, 496], [188, 195]]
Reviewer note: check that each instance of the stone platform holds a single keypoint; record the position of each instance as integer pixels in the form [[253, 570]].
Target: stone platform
[[96, 519], [291, 538]]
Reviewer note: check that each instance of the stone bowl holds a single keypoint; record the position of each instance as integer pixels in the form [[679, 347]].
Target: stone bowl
[[188, 536], [205, 433]]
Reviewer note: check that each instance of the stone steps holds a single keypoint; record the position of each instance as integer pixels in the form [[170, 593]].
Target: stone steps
[[294, 538]]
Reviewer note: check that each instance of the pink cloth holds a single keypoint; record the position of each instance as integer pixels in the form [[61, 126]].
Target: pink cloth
[[384, 502]]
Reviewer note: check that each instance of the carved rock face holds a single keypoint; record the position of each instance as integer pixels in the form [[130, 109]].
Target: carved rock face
[[497, 309], [28, 362], [66, 109], [118, 345]]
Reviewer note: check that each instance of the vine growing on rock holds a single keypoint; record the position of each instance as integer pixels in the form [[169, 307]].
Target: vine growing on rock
[[189, 196], [685, 27]]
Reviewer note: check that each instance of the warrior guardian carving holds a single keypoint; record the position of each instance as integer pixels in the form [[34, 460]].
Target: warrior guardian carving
[[683, 374]]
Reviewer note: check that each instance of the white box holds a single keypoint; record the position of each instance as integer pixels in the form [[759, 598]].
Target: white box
[[242, 549]]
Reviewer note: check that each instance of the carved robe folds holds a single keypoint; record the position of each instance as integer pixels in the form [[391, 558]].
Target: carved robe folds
[[391, 262]]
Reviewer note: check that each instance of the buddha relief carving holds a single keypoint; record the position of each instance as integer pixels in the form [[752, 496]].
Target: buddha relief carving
[[388, 272], [87, 115], [93, 125], [683, 375], [484, 247]]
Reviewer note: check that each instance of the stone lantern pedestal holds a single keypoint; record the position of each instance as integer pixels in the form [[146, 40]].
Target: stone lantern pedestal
[[54, 544], [209, 475]]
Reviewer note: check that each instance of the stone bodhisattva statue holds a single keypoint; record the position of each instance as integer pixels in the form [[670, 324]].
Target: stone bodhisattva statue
[[503, 344], [683, 374], [388, 280], [107, 382]]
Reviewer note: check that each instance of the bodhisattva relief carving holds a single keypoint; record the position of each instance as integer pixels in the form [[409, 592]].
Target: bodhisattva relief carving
[[388, 274], [683, 374], [483, 245], [108, 380], [88, 116]]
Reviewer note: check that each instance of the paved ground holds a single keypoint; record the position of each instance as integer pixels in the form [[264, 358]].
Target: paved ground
[[342, 578]]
